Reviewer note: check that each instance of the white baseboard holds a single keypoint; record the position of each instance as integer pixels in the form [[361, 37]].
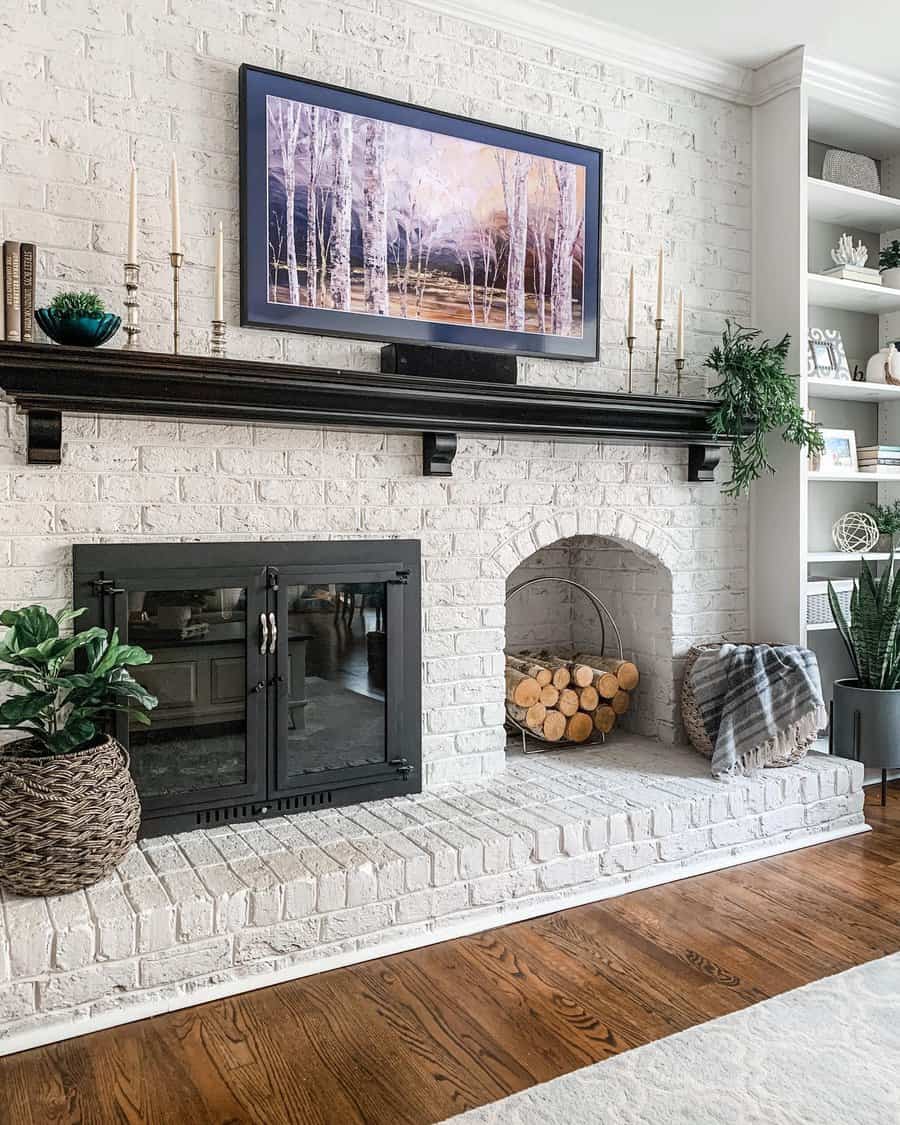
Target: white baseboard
[[461, 925]]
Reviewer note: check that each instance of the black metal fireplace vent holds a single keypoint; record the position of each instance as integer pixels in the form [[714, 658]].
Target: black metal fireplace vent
[[209, 818], [287, 674]]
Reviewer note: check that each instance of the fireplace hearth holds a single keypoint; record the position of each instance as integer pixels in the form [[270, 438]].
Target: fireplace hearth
[[288, 674]]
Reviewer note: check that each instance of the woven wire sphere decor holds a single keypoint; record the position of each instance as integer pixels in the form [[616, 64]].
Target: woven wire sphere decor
[[855, 533]]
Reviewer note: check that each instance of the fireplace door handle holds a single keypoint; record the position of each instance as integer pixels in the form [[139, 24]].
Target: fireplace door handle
[[263, 634], [273, 633]]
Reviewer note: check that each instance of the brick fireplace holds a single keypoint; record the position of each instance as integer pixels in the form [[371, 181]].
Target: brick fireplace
[[492, 836]]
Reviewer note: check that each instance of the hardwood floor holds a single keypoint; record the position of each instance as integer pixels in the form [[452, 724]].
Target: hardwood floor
[[418, 1037]]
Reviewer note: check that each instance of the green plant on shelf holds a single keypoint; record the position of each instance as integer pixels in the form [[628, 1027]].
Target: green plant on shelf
[[889, 257], [72, 305], [872, 632], [756, 397], [887, 519]]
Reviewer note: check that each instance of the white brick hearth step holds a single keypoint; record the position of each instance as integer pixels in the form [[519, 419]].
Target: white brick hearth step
[[209, 913]]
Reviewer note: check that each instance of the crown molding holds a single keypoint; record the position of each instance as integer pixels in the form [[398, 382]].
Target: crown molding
[[778, 76], [550, 25], [855, 90]]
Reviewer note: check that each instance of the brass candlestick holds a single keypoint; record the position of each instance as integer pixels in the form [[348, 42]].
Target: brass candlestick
[[659, 323], [630, 341], [217, 339], [132, 308], [176, 257], [679, 367]]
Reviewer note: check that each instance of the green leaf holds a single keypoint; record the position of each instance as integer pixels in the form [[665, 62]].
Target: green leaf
[[757, 396], [24, 708]]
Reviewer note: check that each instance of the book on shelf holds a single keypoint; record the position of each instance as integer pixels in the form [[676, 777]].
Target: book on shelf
[[855, 273], [27, 269], [12, 290]]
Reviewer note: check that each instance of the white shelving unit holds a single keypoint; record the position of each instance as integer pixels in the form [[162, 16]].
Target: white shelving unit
[[852, 392], [849, 207], [804, 106], [851, 296]]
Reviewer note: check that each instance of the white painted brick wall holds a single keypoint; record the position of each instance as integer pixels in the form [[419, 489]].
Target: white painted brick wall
[[86, 87]]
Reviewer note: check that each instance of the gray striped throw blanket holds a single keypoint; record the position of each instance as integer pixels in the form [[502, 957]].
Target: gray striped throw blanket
[[761, 704]]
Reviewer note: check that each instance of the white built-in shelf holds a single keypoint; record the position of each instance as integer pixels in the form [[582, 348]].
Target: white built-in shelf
[[846, 556], [852, 392], [852, 208], [869, 478], [851, 296]]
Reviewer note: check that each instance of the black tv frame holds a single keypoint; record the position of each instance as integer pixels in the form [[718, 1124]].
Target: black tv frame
[[257, 310]]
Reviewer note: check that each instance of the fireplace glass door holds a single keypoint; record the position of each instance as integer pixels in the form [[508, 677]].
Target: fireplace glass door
[[333, 707], [209, 680]]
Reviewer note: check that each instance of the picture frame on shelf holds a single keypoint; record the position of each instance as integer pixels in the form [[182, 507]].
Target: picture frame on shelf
[[826, 357], [839, 455]]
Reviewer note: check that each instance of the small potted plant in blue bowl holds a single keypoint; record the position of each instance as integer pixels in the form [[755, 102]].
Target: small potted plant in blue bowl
[[78, 318]]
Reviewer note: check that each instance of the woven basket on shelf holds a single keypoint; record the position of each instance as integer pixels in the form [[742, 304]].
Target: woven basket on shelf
[[693, 720], [65, 820]]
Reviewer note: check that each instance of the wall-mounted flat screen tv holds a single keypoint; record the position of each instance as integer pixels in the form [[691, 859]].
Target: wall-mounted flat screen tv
[[369, 218]]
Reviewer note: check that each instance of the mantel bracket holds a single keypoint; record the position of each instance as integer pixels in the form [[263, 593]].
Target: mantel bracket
[[702, 462], [43, 437], [438, 451]]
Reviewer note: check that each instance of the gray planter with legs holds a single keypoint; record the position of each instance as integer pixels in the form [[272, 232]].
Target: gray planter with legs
[[865, 726]]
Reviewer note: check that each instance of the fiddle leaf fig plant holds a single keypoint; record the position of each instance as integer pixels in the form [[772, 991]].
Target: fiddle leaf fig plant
[[62, 709], [756, 397]]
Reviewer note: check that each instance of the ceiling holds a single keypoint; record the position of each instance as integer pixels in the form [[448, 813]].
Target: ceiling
[[864, 34]]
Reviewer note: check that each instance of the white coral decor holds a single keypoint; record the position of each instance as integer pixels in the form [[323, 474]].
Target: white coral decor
[[847, 254]]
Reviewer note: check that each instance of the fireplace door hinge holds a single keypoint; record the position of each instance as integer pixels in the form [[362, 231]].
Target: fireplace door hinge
[[402, 766], [402, 579], [103, 586], [272, 577]]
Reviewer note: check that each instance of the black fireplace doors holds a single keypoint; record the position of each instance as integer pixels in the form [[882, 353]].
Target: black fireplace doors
[[287, 674]]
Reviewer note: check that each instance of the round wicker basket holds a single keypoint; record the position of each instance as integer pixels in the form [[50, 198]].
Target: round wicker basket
[[693, 720], [65, 820]]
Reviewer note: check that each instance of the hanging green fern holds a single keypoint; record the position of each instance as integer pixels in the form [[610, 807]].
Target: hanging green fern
[[756, 397]]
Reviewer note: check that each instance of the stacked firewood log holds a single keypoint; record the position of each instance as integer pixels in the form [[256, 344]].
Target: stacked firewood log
[[562, 698]]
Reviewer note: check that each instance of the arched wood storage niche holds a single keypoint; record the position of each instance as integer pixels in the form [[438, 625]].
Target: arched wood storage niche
[[635, 585]]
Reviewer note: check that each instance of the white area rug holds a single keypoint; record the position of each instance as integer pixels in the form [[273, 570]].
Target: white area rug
[[825, 1054]]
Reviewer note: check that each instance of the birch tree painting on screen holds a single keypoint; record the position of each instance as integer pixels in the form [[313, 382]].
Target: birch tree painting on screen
[[369, 216]]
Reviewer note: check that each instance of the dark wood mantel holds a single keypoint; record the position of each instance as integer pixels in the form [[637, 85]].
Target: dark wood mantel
[[46, 380]]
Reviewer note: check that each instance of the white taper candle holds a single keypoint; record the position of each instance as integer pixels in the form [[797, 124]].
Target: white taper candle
[[659, 287], [630, 329], [679, 342], [176, 208], [131, 258], [219, 303]]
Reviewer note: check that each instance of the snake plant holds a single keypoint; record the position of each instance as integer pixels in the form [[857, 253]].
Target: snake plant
[[872, 635]]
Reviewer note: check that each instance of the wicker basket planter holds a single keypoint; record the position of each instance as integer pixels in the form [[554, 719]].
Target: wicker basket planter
[[65, 820]]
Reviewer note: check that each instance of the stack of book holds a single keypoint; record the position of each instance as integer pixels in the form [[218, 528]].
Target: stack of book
[[855, 273], [879, 458], [17, 307]]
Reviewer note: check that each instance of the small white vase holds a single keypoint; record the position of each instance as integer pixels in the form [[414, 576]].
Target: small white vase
[[884, 366], [891, 278]]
